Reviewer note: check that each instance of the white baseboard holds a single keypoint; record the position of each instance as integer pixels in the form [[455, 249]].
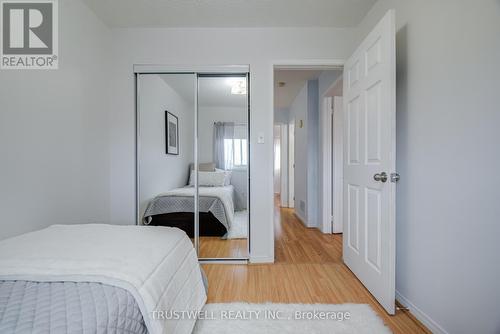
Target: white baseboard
[[261, 259], [301, 219], [431, 325]]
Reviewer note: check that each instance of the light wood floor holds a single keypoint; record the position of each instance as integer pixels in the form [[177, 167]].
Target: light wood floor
[[308, 268], [215, 247]]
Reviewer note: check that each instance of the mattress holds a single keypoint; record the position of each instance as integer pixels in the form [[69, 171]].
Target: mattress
[[157, 266], [217, 200], [68, 307]]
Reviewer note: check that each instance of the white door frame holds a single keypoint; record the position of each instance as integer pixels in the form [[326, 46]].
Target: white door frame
[[338, 165], [332, 164], [331, 130], [284, 165], [326, 131], [291, 164]]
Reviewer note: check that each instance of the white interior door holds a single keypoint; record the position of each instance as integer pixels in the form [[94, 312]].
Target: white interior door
[[369, 160]]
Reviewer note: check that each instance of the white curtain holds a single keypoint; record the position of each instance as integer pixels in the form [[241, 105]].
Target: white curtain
[[223, 145]]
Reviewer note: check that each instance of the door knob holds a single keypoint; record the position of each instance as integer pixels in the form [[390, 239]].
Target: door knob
[[382, 177]]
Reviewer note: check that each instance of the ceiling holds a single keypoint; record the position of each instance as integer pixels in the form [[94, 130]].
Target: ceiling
[[216, 92], [213, 91], [231, 13], [183, 84], [294, 81]]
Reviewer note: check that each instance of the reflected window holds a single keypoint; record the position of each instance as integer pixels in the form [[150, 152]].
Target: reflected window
[[235, 147], [235, 150]]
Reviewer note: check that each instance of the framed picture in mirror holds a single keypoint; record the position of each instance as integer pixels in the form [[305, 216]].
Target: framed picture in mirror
[[172, 133]]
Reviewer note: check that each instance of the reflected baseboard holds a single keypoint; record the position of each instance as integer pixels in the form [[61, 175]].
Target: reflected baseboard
[[261, 259]]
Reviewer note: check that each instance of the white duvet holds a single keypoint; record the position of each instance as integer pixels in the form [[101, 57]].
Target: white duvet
[[157, 265]]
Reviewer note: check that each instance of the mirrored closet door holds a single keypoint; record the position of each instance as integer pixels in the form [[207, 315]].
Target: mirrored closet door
[[223, 145], [193, 158], [166, 113]]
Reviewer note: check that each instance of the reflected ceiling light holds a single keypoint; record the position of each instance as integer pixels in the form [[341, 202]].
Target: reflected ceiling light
[[238, 85]]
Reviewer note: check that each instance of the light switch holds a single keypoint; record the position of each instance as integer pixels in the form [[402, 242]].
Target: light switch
[[260, 138]]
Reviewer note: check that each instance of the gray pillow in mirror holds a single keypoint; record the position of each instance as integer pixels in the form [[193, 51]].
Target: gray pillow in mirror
[[204, 167]]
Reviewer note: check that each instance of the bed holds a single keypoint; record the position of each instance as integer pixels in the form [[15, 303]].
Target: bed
[[175, 208], [99, 279]]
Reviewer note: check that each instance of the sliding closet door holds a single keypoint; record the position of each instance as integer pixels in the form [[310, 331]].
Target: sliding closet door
[[166, 109], [223, 156]]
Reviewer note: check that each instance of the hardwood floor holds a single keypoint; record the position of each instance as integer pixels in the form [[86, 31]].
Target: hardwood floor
[[308, 268], [215, 247]]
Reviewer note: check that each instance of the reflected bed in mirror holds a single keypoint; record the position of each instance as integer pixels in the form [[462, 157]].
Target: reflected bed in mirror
[[220, 219]]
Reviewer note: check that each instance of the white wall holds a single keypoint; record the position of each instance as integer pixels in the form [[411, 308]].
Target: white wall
[[448, 115], [254, 46], [326, 80], [54, 132], [160, 172], [281, 115]]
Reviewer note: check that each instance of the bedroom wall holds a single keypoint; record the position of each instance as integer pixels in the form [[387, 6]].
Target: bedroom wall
[[54, 132], [159, 171], [206, 118], [257, 47], [448, 78]]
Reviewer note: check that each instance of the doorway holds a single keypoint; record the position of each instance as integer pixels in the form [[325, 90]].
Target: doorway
[[368, 173], [301, 116]]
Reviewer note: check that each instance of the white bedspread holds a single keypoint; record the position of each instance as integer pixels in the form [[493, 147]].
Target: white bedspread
[[225, 194], [157, 265]]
